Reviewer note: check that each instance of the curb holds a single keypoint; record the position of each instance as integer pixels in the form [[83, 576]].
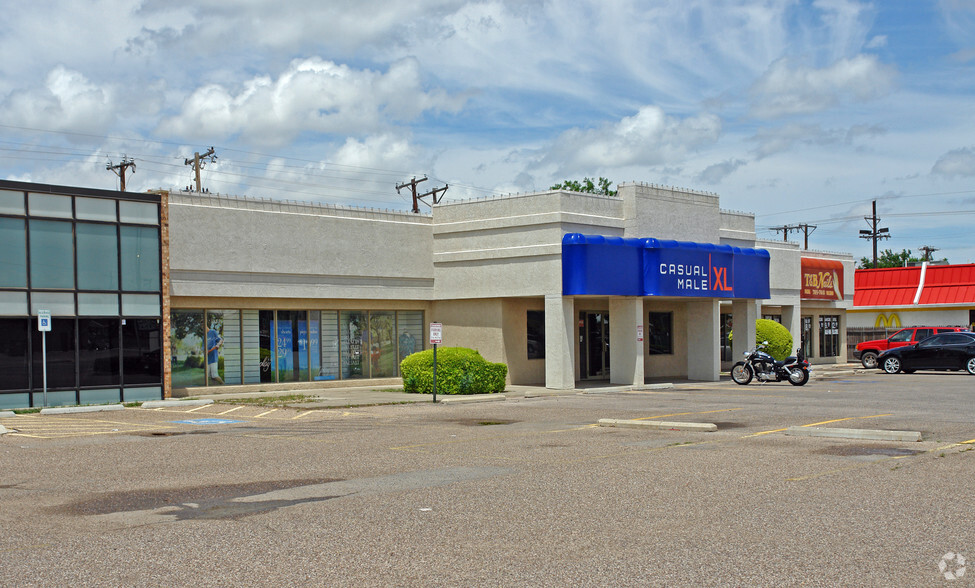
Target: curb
[[867, 434], [6, 414], [3, 430], [165, 403], [464, 400], [73, 409], [670, 426]]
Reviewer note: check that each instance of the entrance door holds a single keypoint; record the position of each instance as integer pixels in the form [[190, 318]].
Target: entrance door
[[594, 345]]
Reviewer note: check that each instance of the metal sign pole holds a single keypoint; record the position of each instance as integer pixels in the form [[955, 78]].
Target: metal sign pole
[[44, 362], [434, 373]]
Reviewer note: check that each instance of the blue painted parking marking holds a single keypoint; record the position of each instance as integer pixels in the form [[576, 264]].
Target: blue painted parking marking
[[208, 422]]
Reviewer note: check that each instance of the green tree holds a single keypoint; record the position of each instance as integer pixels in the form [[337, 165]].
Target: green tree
[[889, 259], [587, 185]]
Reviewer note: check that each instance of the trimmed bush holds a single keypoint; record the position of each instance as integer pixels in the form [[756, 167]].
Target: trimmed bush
[[779, 338], [459, 371]]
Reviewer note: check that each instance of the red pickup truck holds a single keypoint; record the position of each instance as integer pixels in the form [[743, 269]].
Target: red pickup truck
[[868, 351]]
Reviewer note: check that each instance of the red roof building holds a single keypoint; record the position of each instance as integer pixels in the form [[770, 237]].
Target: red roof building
[[902, 296]]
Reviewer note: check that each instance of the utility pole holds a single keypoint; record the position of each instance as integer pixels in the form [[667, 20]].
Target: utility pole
[[874, 233], [198, 164], [928, 250], [437, 193], [119, 169], [806, 229]]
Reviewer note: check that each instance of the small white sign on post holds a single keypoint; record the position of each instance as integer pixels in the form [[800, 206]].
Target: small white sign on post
[[639, 332], [436, 333], [44, 320]]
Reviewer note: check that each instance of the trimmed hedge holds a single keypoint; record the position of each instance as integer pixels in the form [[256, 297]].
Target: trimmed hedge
[[459, 371], [779, 338]]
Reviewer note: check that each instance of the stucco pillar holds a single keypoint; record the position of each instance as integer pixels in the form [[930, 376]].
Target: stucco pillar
[[703, 332], [559, 342], [791, 321], [744, 314], [626, 353]]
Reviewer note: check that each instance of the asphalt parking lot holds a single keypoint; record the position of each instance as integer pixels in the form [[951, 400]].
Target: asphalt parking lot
[[524, 492]]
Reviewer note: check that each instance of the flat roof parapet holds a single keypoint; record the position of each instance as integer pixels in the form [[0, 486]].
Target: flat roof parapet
[[292, 206]]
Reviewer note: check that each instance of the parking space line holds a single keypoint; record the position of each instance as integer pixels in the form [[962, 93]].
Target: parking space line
[[230, 411], [817, 424], [303, 414], [201, 407], [266, 412]]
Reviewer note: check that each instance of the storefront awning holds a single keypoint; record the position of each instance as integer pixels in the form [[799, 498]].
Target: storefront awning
[[613, 266], [822, 279]]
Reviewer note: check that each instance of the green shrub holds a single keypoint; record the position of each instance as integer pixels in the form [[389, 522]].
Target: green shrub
[[459, 371], [779, 338]]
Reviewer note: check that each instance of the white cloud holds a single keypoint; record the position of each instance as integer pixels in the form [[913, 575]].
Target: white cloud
[[649, 137], [772, 141], [386, 151], [312, 95], [787, 88], [713, 174], [68, 102], [877, 42], [958, 162]]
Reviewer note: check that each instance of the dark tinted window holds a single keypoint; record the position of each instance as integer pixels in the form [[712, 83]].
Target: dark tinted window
[[922, 334], [13, 353], [142, 362], [98, 352], [955, 339], [932, 341], [536, 334], [901, 336], [60, 355], [660, 335]]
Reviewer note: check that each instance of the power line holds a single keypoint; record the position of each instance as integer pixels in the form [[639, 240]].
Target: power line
[[874, 233]]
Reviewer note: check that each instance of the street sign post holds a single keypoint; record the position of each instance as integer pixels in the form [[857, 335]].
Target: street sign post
[[44, 325], [436, 337]]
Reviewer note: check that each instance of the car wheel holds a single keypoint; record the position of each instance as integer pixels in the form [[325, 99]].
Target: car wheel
[[869, 360], [970, 365], [892, 365]]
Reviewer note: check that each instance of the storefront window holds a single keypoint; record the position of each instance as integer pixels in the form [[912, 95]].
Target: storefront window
[[186, 339], [13, 353], [223, 348], [353, 336], [142, 355], [314, 343], [60, 355], [660, 335], [382, 344], [807, 334], [250, 324], [726, 326], [266, 343], [98, 352], [829, 335], [410, 326], [536, 334], [329, 369], [289, 333]]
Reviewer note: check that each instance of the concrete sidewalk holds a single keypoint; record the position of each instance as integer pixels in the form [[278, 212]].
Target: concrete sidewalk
[[375, 395]]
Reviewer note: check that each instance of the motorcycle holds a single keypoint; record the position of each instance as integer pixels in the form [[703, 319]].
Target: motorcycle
[[763, 366]]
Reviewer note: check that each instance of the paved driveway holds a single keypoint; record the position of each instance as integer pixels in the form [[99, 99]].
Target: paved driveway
[[522, 492]]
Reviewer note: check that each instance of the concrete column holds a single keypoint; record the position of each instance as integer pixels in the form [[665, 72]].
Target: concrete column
[[703, 331], [744, 314], [559, 342], [626, 353], [791, 321]]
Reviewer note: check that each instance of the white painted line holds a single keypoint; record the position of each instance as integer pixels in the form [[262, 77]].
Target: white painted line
[[638, 424], [73, 409], [169, 403], [867, 434]]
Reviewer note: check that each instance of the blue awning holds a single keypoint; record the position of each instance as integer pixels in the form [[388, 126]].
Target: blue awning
[[613, 266]]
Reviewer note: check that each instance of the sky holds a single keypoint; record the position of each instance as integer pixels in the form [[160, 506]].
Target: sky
[[801, 112]]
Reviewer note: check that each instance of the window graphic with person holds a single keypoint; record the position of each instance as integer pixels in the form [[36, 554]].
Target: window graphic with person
[[214, 343]]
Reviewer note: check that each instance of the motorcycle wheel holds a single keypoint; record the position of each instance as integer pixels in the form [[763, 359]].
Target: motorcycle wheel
[[741, 373], [798, 377]]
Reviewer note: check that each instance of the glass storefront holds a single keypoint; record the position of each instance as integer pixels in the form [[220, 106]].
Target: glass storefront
[[99, 276], [217, 347]]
